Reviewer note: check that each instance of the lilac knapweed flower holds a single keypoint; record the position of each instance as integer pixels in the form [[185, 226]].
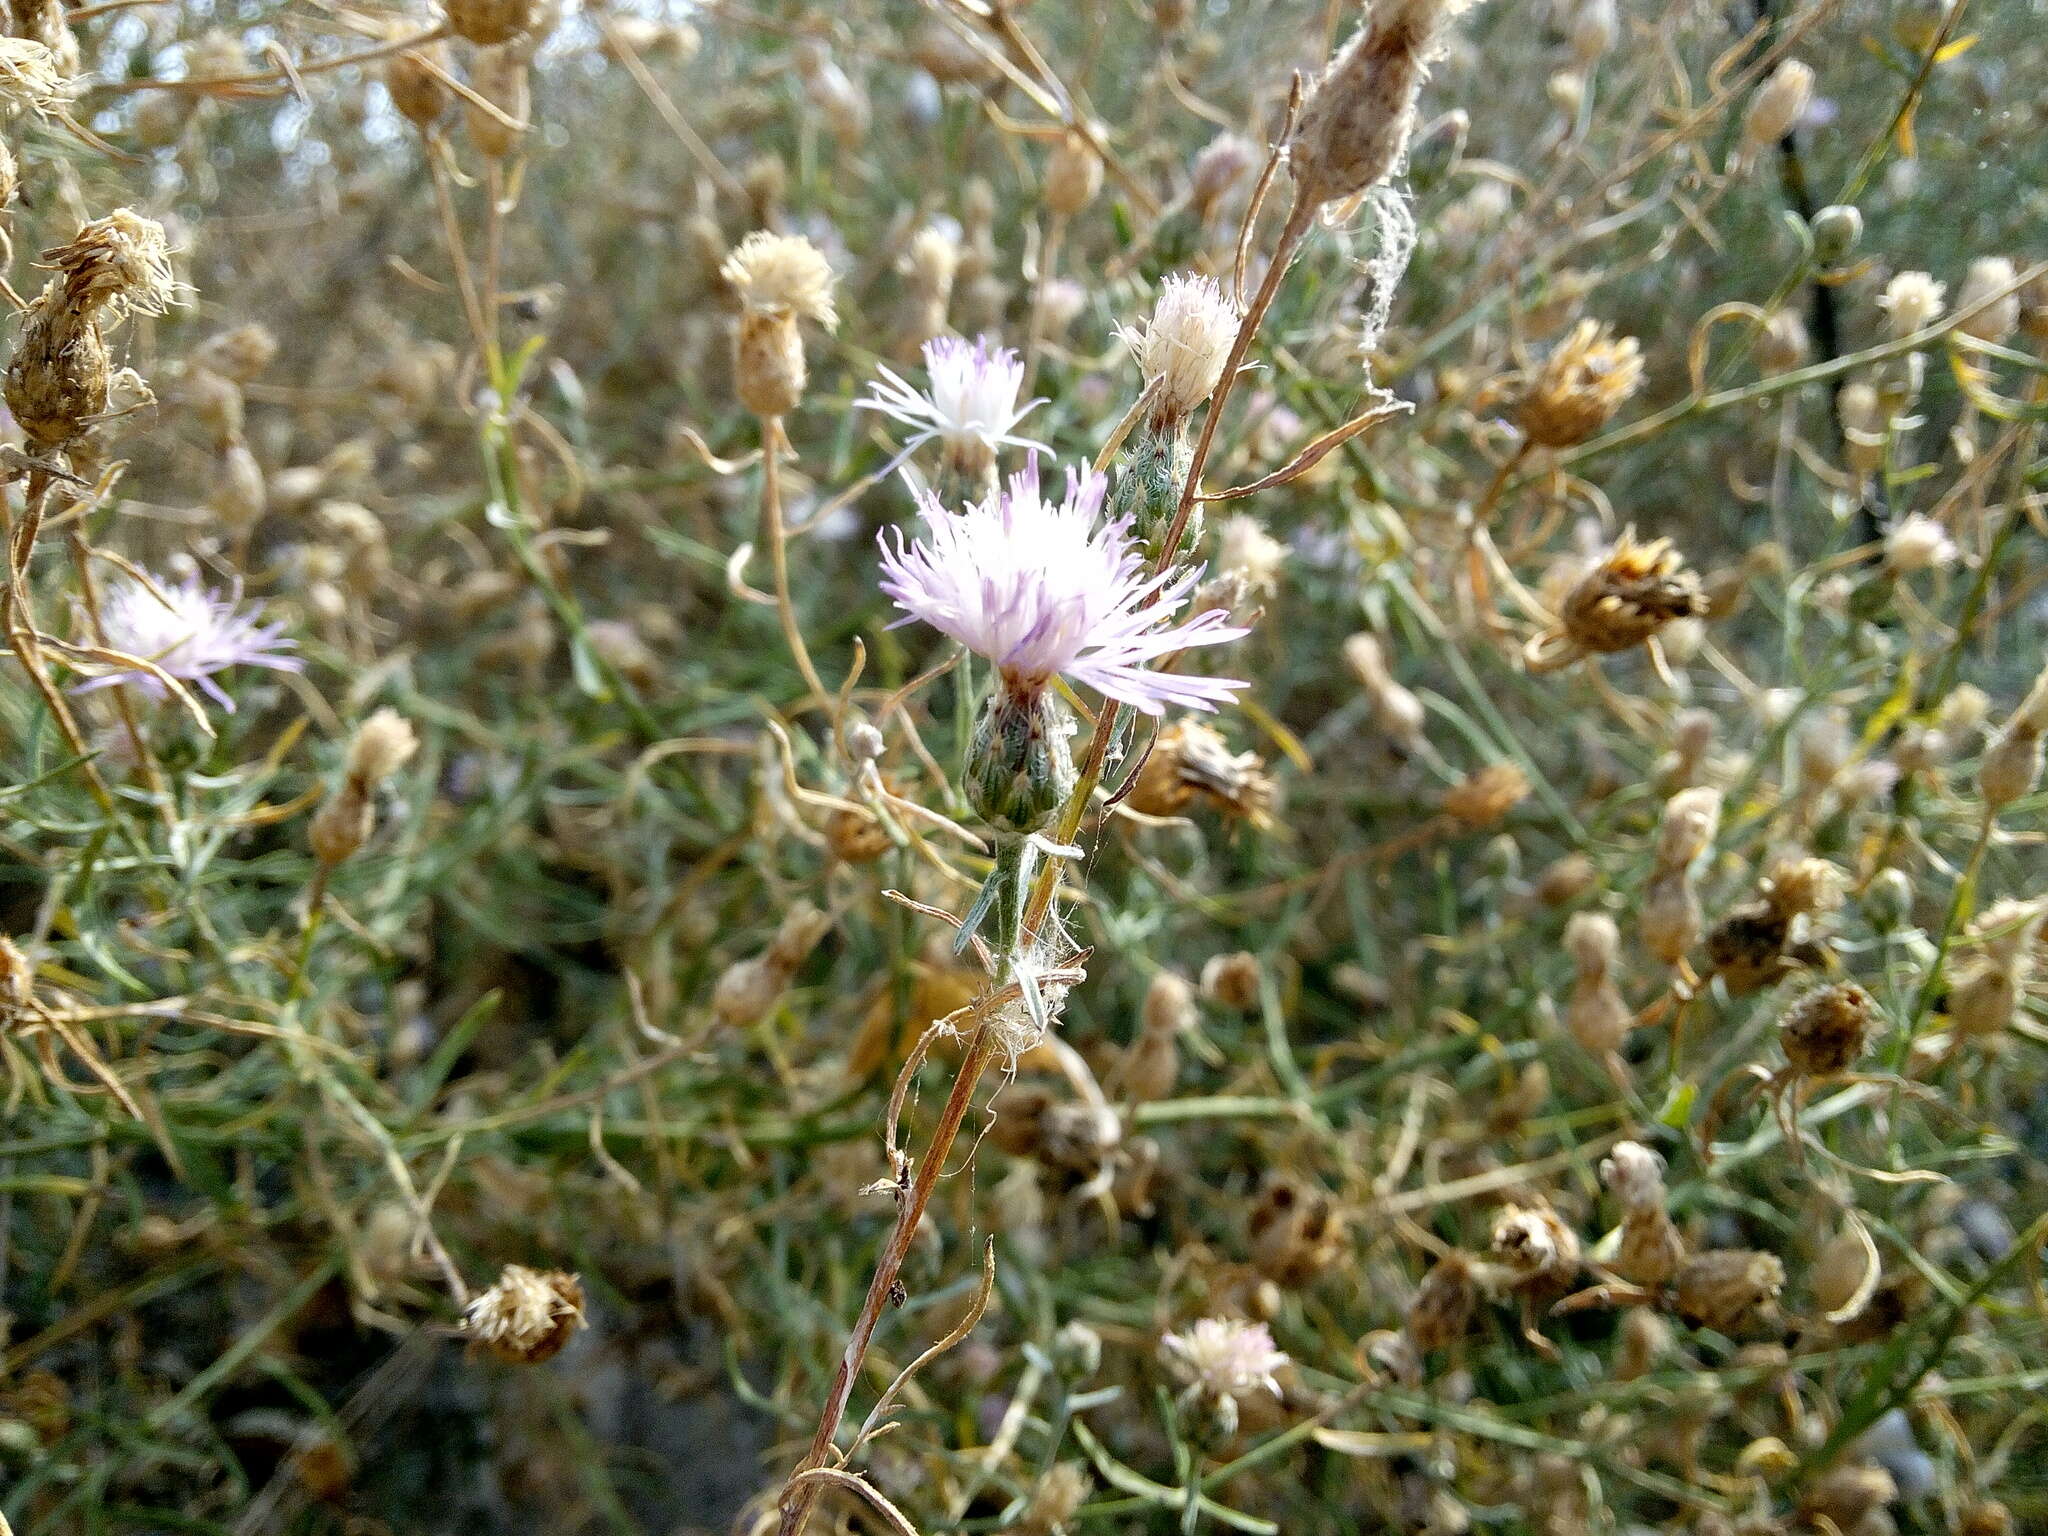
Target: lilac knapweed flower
[[1221, 1357], [189, 633], [1043, 588], [971, 406]]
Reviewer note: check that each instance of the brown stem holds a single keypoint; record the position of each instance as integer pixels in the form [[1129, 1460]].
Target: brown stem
[[800, 1494]]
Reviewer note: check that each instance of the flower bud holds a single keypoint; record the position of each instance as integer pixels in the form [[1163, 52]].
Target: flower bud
[[1020, 767], [1837, 231], [1073, 175], [1777, 106]]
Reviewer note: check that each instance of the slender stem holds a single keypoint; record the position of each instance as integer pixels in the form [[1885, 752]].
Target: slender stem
[[800, 1495], [776, 538]]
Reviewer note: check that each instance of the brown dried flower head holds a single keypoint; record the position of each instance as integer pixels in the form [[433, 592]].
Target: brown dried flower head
[[31, 79], [780, 280], [1296, 1232], [1576, 390], [59, 380], [1444, 1303], [413, 80], [1632, 593], [527, 1316], [1727, 1288], [1483, 798], [1825, 1030], [1232, 980], [1191, 761], [490, 22], [1359, 115], [1535, 1245]]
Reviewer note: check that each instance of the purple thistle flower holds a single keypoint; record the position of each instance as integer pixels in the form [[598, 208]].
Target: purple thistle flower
[[1041, 588], [971, 406], [190, 634]]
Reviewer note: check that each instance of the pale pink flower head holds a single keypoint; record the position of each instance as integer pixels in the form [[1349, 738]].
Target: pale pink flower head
[[1222, 1357], [189, 633], [971, 406], [1044, 588]]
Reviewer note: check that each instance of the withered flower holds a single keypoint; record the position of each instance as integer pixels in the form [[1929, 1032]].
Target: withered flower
[[1192, 762], [527, 1316], [1576, 390]]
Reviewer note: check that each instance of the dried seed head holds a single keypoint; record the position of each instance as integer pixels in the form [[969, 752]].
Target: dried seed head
[[1073, 175], [238, 494], [216, 401], [1444, 1303], [1778, 105], [240, 354], [1986, 987], [1535, 1245], [1632, 593], [1220, 166], [1824, 1031], [1565, 879], [1911, 302], [490, 22], [1918, 543], [1484, 797], [1634, 1175], [2011, 765], [501, 76], [1232, 981], [1078, 1137], [1691, 819], [1191, 761], [1848, 1494], [31, 79], [1169, 1007], [780, 279], [1577, 389], [120, 264], [1355, 125], [1062, 1491], [1801, 886], [527, 1316], [838, 99], [1591, 31], [1396, 709], [1783, 344], [1987, 1518], [856, 836], [1645, 1339], [383, 744], [1182, 348], [945, 53], [1650, 1251], [1999, 317], [1295, 1232], [1727, 1288], [415, 87], [929, 264], [1592, 939], [1148, 1069], [1669, 919]]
